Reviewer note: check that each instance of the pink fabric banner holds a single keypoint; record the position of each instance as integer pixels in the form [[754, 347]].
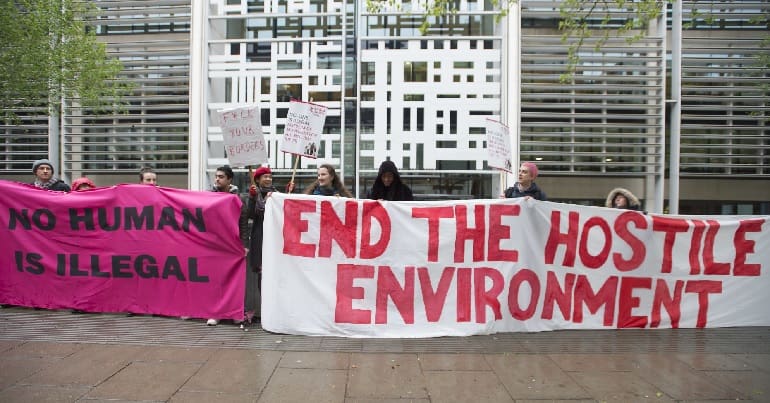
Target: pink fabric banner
[[126, 248]]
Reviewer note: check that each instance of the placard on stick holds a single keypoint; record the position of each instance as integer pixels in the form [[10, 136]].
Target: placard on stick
[[498, 145], [304, 124], [242, 134]]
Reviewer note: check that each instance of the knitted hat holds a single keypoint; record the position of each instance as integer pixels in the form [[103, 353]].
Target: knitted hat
[[261, 171], [532, 168], [82, 181], [43, 161]]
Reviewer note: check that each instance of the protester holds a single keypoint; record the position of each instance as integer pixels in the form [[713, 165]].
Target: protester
[[44, 178], [623, 199], [259, 192], [147, 176], [81, 184], [223, 182], [526, 186], [388, 185], [328, 183]]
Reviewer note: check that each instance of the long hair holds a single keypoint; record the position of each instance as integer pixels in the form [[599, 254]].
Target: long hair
[[336, 182]]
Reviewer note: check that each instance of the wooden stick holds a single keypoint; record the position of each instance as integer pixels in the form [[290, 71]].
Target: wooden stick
[[294, 171]]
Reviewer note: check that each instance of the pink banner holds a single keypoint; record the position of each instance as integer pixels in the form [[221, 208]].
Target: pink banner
[[126, 248]]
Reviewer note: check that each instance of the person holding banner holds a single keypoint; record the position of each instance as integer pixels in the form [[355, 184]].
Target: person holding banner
[[223, 183], [328, 183], [526, 186], [81, 184], [259, 192], [388, 185], [44, 179], [622, 199], [147, 176]]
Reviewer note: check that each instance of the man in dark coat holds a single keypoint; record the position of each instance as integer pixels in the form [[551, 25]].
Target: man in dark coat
[[44, 179]]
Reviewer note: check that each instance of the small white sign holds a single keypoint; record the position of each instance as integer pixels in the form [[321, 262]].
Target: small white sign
[[498, 145], [304, 124], [242, 133]]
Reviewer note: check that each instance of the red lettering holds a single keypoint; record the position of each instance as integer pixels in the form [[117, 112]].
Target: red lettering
[[627, 301], [523, 275], [591, 261], [638, 249], [554, 293], [434, 301], [498, 232], [703, 288], [332, 228], [433, 215], [464, 233], [672, 302], [584, 294], [346, 293], [710, 267], [697, 236], [487, 298], [402, 297], [670, 226], [294, 226], [745, 246], [464, 294], [569, 239], [374, 211]]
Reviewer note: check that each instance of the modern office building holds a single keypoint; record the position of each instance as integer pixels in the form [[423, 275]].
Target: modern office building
[[422, 100]]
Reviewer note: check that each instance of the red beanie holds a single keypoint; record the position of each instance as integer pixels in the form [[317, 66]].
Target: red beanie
[[261, 171]]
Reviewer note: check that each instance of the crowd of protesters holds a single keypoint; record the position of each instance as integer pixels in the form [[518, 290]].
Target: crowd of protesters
[[388, 186]]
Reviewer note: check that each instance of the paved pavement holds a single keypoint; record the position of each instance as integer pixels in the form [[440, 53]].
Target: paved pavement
[[56, 356]]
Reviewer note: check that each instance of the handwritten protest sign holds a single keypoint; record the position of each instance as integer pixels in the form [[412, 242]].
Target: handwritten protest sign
[[362, 268], [304, 124], [242, 134], [498, 145]]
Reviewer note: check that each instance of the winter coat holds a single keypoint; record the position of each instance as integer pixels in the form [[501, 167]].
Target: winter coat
[[256, 212], [633, 201], [533, 192]]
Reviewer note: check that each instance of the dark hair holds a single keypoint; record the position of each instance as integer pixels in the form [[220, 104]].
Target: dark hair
[[336, 182], [145, 170], [227, 170]]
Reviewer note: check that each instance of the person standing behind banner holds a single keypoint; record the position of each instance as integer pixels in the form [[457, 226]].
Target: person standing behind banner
[[44, 179], [526, 186], [147, 176], [223, 183], [81, 184], [622, 199], [388, 185], [328, 183], [259, 192]]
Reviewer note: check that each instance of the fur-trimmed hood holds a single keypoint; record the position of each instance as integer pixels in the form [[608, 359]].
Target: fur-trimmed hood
[[633, 201]]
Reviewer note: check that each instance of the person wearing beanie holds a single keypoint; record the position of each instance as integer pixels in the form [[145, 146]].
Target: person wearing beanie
[[44, 177], [259, 192], [81, 184], [388, 185], [526, 186]]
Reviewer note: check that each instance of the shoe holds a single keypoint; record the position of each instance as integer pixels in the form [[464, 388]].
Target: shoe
[[212, 322], [184, 317]]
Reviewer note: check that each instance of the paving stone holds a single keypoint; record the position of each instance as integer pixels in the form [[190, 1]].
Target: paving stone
[[145, 381], [385, 375], [301, 384], [465, 386], [528, 376]]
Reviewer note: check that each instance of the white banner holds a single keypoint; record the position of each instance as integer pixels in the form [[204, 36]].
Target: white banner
[[242, 134], [498, 145], [304, 124], [343, 267]]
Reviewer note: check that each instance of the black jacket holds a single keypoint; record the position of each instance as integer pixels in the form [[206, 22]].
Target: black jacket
[[397, 191], [533, 192]]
